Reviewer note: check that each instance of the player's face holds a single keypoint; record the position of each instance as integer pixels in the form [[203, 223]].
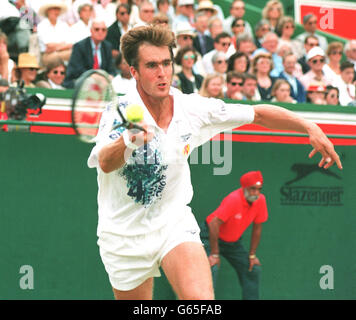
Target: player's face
[[155, 70]]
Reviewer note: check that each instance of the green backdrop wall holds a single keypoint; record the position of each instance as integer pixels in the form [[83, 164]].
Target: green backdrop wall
[[48, 220]]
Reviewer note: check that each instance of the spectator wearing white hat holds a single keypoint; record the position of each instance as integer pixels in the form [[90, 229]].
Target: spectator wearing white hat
[[185, 13], [184, 35], [53, 33], [316, 61]]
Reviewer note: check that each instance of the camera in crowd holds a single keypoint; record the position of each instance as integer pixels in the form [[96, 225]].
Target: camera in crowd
[[17, 102]]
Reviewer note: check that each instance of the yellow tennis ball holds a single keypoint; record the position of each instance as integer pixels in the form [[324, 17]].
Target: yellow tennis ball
[[134, 113]]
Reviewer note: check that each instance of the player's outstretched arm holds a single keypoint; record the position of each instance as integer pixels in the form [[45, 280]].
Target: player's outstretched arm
[[274, 117]]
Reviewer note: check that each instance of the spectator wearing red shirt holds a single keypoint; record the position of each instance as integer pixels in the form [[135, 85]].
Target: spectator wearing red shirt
[[222, 231]]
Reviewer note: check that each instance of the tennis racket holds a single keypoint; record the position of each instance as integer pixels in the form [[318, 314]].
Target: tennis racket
[[93, 93]]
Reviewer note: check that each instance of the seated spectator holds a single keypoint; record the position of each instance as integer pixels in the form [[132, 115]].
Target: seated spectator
[[347, 91], [334, 54], [210, 8], [146, 13], [215, 27], [7, 65], [119, 28], [26, 70], [316, 61], [238, 28], [206, 7], [298, 92], [184, 36], [81, 29], [261, 28], [262, 65], [202, 42], [245, 44], [249, 88], [273, 12], [234, 83], [238, 62], [219, 63], [332, 95], [222, 42], [123, 81], [53, 34], [309, 43], [285, 30], [185, 13], [281, 92], [187, 80], [212, 86], [54, 75], [161, 19], [270, 45], [93, 52], [310, 23], [164, 7], [316, 93], [350, 52], [105, 11], [237, 10]]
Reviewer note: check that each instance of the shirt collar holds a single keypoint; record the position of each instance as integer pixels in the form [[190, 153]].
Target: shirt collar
[[93, 44]]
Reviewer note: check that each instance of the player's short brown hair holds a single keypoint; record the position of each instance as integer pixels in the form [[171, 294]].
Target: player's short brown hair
[[153, 35]]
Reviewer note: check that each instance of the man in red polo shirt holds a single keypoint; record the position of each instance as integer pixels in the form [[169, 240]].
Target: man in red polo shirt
[[222, 231]]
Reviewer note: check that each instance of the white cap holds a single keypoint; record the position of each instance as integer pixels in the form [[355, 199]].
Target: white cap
[[184, 28], [185, 2], [316, 51]]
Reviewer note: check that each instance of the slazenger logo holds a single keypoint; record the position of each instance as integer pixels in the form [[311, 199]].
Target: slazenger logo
[[322, 195]]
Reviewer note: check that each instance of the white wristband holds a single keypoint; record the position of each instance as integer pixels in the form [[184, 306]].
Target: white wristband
[[128, 142]]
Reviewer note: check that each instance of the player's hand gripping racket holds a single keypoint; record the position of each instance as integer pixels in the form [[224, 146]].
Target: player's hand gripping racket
[[93, 93]]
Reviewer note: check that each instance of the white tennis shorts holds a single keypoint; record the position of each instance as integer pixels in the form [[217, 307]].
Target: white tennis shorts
[[131, 260]]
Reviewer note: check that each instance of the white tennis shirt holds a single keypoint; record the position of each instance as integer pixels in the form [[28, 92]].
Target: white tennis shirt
[[154, 186]]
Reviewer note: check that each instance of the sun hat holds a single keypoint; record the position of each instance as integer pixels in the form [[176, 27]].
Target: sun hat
[[52, 4], [316, 51], [27, 60], [206, 5]]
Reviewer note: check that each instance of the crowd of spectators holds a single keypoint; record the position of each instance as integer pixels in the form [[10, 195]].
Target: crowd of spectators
[[215, 55]]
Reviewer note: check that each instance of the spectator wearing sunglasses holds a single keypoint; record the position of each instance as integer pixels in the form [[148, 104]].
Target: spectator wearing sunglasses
[[187, 80], [237, 10], [261, 28], [332, 95], [27, 69], [222, 42], [219, 63], [119, 28], [309, 43], [237, 28], [316, 61], [234, 83], [285, 31], [93, 52], [310, 24], [334, 54], [54, 75]]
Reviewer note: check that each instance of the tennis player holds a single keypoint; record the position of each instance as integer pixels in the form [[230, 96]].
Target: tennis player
[[144, 188]]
